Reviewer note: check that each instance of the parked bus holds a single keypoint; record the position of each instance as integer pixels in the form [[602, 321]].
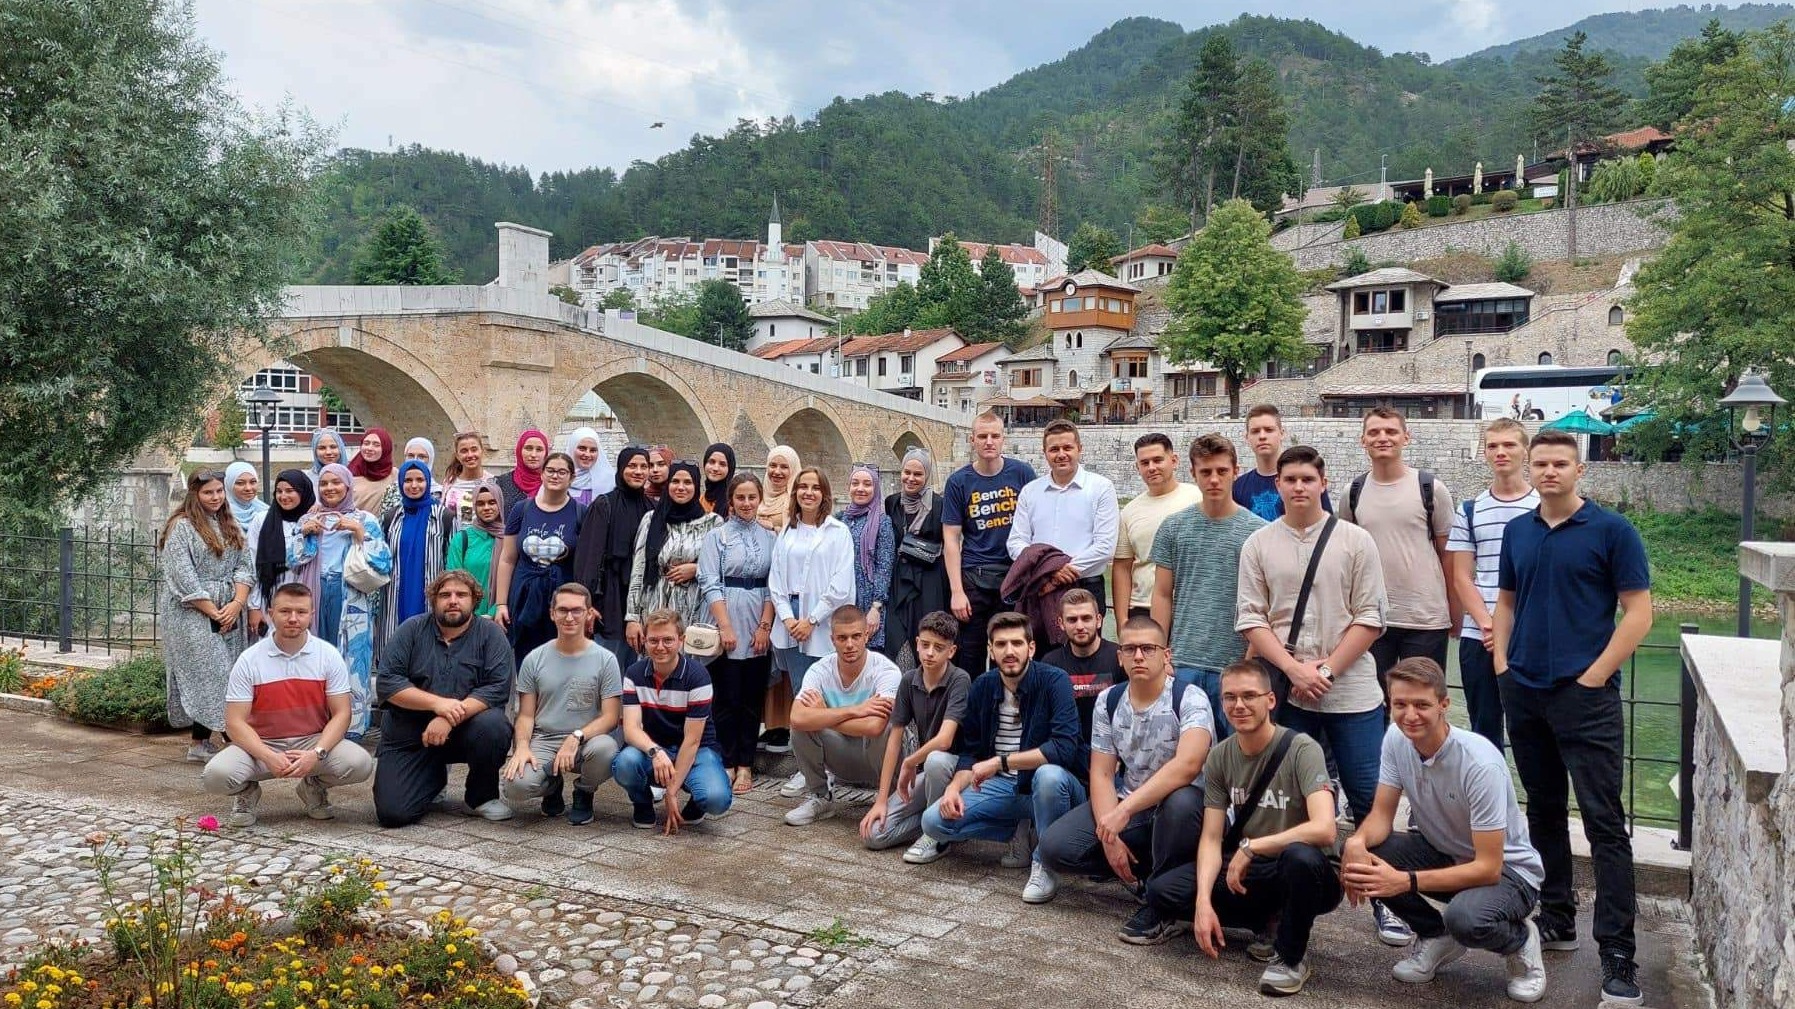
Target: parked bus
[[1547, 392]]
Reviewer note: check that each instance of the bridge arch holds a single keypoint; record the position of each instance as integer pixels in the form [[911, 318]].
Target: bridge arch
[[653, 404], [817, 436]]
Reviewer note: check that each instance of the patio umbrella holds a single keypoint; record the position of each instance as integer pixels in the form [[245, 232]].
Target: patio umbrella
[[1634, 421], [1579, 422]]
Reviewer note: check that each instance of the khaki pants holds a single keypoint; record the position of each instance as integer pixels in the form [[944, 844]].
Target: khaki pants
[[903, 820], [854, 760], [232, 770], [592, 767]]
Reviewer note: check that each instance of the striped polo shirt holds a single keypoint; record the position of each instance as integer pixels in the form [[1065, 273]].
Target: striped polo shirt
[[667, 704], [286, 692]]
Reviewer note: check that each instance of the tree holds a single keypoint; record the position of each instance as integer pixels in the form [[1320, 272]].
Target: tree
[[674, 312], [402, 250], [1411, 216], [1719, 299], [1615, 180], [1352, 229], [1575, 105], [1671, 85], [618, 298], [1349, 197], [1235, 301], [1256, 138], [891, 312], [148, 218], [1002, 315], [1160, 223], [722, 317], [1092, 247], [228, 422], [1514, 264], [1190, 154], [567, 294], [948, 286]]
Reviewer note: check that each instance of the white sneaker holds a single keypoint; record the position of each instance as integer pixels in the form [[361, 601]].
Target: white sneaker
[[810, 811], [1527, 969], [316, 799], [492, 809], [1429, 956], [925, 850], [1022, 847], [202, 751], [1391, 930], [1042, 884], [793, 787], [243, 806], [659, 793], [1281, 978]]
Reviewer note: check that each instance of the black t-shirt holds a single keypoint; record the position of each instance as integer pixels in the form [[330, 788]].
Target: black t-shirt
[[1091, 675]]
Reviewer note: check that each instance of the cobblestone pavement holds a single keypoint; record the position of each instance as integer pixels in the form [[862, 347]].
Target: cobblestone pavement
[[738, 911]]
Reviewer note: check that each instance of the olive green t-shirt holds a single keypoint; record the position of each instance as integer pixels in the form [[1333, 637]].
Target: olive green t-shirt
[[1231, 774]]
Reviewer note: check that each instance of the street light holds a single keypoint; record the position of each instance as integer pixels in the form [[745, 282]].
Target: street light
[[262, 403], [1470, 394], [1753, 404]]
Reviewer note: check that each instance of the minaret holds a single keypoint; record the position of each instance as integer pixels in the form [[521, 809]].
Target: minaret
[[776, 232]]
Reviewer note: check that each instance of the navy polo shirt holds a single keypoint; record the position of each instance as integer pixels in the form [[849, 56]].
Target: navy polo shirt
[[1567, 583]]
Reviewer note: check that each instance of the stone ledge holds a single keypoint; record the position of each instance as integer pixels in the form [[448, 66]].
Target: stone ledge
[[1771, 565], [1738, 678]]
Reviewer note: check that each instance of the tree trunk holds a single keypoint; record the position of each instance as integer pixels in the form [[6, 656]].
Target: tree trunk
[[1570, 203], [1233, 393]]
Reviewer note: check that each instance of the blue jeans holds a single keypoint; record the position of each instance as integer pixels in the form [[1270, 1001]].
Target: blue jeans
[[1356, 740], [706, 782], [994, 808], [1211, 682], [330, 606]]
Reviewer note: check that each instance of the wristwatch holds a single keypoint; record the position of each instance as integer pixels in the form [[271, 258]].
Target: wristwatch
[[322, 753], [1246, 845], [655, 751], [579, 735], [1326, 671]]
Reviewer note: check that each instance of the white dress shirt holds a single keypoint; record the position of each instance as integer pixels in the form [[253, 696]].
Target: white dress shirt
[[815, 564], [1080, 518]]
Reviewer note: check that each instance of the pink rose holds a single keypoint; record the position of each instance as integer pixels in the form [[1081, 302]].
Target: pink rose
[[207, 823]]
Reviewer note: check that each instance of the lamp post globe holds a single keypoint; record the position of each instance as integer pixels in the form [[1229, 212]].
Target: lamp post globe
[[262, 403]]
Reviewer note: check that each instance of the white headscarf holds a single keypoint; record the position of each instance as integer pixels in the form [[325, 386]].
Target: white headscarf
[[597, 479]]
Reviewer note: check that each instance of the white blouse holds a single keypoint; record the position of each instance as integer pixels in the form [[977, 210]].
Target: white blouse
[[815, 564]]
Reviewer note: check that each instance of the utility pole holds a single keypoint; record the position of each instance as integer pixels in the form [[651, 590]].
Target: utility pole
[[1049, 203]]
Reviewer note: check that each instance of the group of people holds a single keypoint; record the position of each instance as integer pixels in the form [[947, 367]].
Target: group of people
[[945, 653]]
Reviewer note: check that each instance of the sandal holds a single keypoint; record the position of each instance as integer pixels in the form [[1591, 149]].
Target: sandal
[[744, 781]]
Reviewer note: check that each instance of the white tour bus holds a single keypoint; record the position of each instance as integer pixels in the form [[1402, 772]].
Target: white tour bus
[[1548, 391]]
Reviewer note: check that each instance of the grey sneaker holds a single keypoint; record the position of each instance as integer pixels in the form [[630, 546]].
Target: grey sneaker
[[202, 751], [793, 787], [1527, 969], [243, 806], [316, 799], [925, 850], [492, 809], [1428, 957], [1022, 847], [810, 811], [1280, 978]]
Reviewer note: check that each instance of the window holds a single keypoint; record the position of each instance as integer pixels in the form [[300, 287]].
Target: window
[[1617, 316], [342, 421], [1080, 338], [1068, 341], [1056, 305], [1478, 363], [883, 360], [772, 331], [1072, 378], [860, 368], [1030, 377], [1488, 315], [1614, 357], [1382, 302], [1383, 341], [1545, 357], [906, 364]]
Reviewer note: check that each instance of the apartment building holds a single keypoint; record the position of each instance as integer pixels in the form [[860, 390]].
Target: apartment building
[[849, 275], [902, 364]]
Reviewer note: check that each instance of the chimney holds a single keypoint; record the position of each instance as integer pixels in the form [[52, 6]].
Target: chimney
[[523, 257], [906, 332]]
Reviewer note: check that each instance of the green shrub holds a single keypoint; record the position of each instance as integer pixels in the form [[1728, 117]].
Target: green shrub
[[1439, 206], [12, 671], [132, 691], [1503, 200], [1375, 217], [1411, 216], [1480, 199], [1355, 262], [1461, 204], [1352, 229], [1514, 264]]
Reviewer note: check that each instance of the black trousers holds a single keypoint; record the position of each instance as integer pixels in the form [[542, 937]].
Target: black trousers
[[1490, 917], [740, 691], [1575, 732], [408, 775], [1095, 587], [1483, 699], [984, 593], [1159, 838], [1298, 886], [1398, 643]]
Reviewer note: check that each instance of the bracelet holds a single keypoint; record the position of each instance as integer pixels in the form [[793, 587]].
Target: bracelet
[[1414, 882], [1003, 762]]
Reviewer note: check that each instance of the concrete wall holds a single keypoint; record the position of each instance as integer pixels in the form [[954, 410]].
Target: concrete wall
[[1603, 229]]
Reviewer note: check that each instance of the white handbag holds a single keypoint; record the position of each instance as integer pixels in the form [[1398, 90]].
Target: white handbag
[[360, 575]]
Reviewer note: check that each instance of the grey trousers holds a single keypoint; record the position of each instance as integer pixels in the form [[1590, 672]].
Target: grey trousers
[[903, 820], [1490, 917], [854, 760], [233, 769], [592, 767]]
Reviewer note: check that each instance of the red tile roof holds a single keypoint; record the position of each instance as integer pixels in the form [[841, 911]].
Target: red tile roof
[[1147, 251], [786, 348], [1632, 139], [900, 343], [967, 354], [1011, 254]]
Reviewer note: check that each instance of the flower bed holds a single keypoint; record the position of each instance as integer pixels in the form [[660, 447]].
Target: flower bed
[[188, 946], [132, 695]]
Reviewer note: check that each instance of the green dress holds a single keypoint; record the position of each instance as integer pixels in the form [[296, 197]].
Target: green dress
[[470, 550]]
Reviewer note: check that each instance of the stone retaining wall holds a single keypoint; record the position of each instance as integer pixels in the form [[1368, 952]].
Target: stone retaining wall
[[1603, 229]]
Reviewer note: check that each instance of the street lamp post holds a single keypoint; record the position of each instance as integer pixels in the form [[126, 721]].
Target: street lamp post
[[1470, 395], [262, 403], [1753, 403]]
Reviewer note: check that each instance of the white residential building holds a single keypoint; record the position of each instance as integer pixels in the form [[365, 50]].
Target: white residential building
[[1149, 262], [849, 275], [780, 320], [654, 268], [902, 364], [967, 377], [1032, 264], [301, 408], [816, 356]]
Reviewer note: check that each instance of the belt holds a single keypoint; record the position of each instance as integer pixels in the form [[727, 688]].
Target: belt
[[744, 583]]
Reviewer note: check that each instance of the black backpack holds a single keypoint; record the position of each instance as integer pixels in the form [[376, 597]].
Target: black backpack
[[1427, 498], [1112, 698]]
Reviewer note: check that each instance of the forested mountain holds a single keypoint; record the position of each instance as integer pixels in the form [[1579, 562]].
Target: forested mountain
[[1650, 33], [896, 168]]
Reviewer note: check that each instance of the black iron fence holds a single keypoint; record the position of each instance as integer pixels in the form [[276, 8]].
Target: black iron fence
[[92, 588]]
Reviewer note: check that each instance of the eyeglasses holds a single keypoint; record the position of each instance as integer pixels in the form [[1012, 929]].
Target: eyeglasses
[[1230, 700], [1138, 649], [557, 471], [563, 613]]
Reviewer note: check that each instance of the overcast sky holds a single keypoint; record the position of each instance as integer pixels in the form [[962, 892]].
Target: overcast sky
[[563, 84]]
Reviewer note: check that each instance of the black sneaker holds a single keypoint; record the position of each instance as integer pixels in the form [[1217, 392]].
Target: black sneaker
[[691, 812], [1618, 980], [643, 815], [776, 740], [554, 801], [1561, 940], [580, 813], [1148, 928]]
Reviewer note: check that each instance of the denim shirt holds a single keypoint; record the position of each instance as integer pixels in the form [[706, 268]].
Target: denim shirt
[[1049, 720]]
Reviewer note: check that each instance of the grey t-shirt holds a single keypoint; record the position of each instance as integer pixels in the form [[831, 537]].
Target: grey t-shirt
[[1230, 774], [924, 709], [569, 689], [1463, 788], [1203, 555], [1144, 741]]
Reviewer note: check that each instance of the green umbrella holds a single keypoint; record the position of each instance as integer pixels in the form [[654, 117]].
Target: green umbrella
[[1634, 421], [1579, 422]]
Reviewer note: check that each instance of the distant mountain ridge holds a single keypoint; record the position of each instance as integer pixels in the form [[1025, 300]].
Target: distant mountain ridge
[[1649, 33]]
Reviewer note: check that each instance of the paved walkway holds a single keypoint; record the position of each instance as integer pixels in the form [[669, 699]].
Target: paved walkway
[[734, 912]]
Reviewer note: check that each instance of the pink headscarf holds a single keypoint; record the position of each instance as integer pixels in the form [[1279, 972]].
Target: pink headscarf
[[348, 503], [527, 480]]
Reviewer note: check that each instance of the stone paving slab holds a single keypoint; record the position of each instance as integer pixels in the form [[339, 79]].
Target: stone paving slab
[[954, 933]]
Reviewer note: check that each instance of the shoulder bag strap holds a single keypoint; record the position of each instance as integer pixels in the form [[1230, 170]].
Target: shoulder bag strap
[[1302, 596], [1244, 811]]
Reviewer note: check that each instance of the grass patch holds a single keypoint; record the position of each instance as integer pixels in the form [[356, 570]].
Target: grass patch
[[1695, 555], [836, 935]]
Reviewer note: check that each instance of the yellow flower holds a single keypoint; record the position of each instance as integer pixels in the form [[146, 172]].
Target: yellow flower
[[379, 885], [450, 948], [44, 1003], [306, 986], [376, 970], [12, 998]]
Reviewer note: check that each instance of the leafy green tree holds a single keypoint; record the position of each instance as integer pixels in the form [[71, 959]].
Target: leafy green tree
[[1235, 301], [1616, 180], [723, 318], [1160, 223], [1002, 315], [1671, 85], [1349, 197], [948, 286], [1190, 153], [674, 312], [228, 422], [1354, 261], [402, 250], [617, 298], [1719, 299], [1352, 229], [1092, 247], [1576, 104], [567, 294], [891, 312], [1411, 216], [1648, 171], [147, 217]]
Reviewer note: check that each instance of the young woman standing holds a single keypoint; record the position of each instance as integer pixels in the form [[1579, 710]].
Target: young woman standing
[[607, 549], [874, 549], [414, 532], [345, 614], [664, 571], [244, 493], [462, 478], [591, 477], [719, 469], [540, 534], [776, 503], [474, 547], [280, 536], [812, 575], [732, 573], [207, 575], [372, 468], [327, 448], [918, 578], [525, 478]]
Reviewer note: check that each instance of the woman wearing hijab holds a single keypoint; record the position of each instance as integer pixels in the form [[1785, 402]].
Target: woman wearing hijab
[[918, 578], [525, 478], [327, 448], [537, 556], [874, 549], [719, 469], [206, 579], [244, 493], [591, 477], [473, 547], [608, 549], [664, 571], [414, 532], [280, 540], [776, 504], [462, 478], [660, 467], [345, 615], [420, 450], [732, 574], [372, 468]]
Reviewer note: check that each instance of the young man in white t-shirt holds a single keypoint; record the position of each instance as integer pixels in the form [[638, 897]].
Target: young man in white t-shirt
[[286, 710], [841, 717], [1474, 549], [1132, 575]]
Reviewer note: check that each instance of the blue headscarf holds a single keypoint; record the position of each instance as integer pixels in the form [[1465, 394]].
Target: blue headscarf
[[414, 544], [342, 450], [246, 513]]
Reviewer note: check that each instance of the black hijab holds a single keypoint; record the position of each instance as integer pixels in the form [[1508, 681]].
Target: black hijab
[[716, 492], [627, 506], [271, 546], [670, 513]]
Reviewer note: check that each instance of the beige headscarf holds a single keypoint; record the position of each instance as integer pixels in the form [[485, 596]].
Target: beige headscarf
[[776, 508]]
